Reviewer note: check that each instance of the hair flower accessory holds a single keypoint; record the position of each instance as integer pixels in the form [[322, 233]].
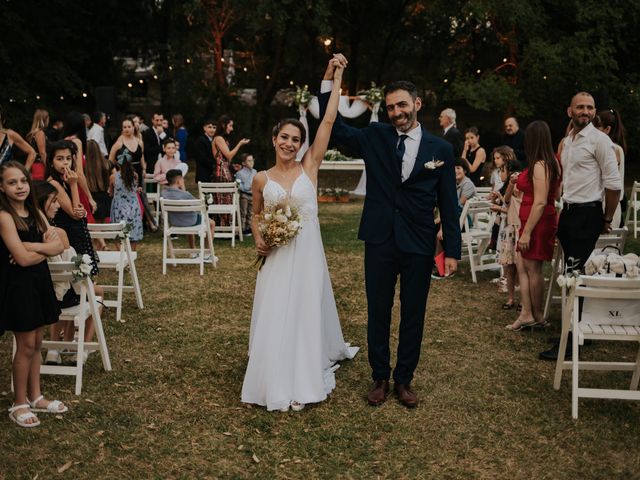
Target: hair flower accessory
[[433, 164], [125, 155]]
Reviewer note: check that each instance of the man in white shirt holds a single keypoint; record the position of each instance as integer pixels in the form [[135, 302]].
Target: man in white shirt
[[589, 174], [96, 132]]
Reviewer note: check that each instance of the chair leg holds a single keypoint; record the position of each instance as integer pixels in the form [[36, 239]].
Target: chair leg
[[210, 244], [472, 263], [102, 341], [574, 376], [136, 283], [562, 349], [120, 289], [164, 253], [636, 374], [239, 223], [80, 357], [201, 235], [233, 230]]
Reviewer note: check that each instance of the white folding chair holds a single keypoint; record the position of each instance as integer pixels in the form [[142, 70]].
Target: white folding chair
[[208, 190], [482, 192], [201, 230], [476, 223], [153, 196], [124, 259], [88, 307], [611, 311], [617, 238], [634, 204]]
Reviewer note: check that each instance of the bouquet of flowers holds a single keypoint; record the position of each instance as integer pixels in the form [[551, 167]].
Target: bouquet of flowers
[[82, 267], [374, 94], [126, 230], [571, 276], [335, 156], [302, 97], [278, 224]]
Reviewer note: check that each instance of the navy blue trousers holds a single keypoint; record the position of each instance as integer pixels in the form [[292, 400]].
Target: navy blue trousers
[[383, 263]]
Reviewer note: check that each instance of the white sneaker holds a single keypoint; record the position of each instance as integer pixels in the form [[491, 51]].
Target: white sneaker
[[296, 407], [53, 357]]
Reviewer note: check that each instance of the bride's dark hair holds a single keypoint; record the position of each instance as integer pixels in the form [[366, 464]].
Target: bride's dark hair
[[291, 121]]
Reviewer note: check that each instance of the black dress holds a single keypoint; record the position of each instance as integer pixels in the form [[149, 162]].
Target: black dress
[[475, 176], [26, 293], [78, 234]]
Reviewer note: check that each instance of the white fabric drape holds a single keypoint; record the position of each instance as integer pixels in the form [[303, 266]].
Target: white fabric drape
[[346, 109]]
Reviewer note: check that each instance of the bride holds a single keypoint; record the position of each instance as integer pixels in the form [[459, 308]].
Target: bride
[[295, 338]]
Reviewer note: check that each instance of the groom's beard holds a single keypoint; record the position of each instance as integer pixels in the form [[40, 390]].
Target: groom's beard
[[410, 119]]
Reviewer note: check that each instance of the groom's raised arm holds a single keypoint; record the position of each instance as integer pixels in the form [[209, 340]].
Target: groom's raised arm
[[344, 134], [448, 205]]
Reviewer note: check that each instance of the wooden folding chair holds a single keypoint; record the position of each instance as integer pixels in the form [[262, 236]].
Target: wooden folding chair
[[120, 261], [633, 204], [476, 223], [88, 307], [610, 311], [208, 190], [201, 230]]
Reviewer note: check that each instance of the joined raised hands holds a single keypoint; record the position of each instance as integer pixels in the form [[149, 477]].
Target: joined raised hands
[[335, 67]]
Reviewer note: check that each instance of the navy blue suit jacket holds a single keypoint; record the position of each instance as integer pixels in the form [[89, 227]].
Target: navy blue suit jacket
[[403, 209]]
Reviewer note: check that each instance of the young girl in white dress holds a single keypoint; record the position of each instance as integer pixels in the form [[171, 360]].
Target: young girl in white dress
[[295, 338]]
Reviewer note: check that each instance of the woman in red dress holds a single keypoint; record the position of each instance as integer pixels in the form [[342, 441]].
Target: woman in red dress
[[539, 185]]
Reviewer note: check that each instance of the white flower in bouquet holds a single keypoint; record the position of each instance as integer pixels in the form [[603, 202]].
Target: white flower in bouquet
[[86, 269], [86, 259]]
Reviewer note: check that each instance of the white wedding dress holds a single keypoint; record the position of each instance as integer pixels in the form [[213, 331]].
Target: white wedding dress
[[295, 339]]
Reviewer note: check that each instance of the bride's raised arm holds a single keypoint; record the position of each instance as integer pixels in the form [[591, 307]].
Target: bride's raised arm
[[313, 158]]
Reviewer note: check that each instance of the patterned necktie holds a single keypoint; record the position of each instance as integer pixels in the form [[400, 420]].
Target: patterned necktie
[[400, 150]]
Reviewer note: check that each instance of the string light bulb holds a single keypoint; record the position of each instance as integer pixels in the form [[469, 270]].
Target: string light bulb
[[130, 85], [267, 77], [327, 42], [245, 69], [84, 95], [155, 77], [504, 60], [446, 80], [188, 60], [290, 82], [61, 97], [478, 71], [141, 81]]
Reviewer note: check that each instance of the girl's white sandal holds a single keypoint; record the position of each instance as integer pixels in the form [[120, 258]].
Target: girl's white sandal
[[21, 420], [53, 407]]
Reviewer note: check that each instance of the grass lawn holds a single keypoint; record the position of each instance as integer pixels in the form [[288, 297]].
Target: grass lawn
[[171, 406]]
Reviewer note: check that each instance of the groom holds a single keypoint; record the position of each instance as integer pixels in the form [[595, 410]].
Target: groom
[[409, 173]]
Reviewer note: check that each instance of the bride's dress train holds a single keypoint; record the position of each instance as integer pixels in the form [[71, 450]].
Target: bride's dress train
[[295, 338]]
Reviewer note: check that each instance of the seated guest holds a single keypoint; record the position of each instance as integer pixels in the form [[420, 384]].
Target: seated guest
[[244, 177], [175, 191], [169, 161], [465, 187]]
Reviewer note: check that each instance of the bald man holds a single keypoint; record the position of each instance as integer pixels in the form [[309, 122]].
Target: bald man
[[514, 137], [589, 174]]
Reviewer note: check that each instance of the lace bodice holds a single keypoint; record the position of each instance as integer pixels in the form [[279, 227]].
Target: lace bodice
[[302, 194]]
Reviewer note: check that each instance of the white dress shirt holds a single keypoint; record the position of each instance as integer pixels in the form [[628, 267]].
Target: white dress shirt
[[96, 133], [588, 166], [447, 128], [411, 143]]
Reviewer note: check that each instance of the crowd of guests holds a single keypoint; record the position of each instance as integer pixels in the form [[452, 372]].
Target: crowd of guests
[[62, 176], [527, 179]]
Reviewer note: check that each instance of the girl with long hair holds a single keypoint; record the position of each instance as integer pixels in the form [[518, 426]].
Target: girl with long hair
[[37, 138], [539, 184], [474, 155], [26, 291], [98, 172], [71, 217], [124, 189], [75, 130]]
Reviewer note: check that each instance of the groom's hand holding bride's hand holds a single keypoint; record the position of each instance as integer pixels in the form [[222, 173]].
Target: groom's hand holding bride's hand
[[450, 266], [335, 66]]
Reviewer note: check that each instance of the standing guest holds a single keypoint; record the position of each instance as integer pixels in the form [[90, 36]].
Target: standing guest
[[224, 155], [175, 190], [54, 131], [589, 174], [37, 138], [165, 125], [508, 206], [26, 291], [500, 155], [474, 155], [132, 146], [203, 150], [514, 137], [71, 217], [398, 229], [96, 132], [450, 132], [152, 138], [610, 122], [9, 138], [169, 161], [245, 177], [75, 131], [98, 172], [180, 134], [540, 185], [124, 188]]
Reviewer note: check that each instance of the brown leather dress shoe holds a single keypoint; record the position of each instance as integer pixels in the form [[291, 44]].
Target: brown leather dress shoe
[[405, 395], [378, 393]]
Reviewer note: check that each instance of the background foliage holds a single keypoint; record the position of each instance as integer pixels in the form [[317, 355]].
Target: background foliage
[[486, 58]]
